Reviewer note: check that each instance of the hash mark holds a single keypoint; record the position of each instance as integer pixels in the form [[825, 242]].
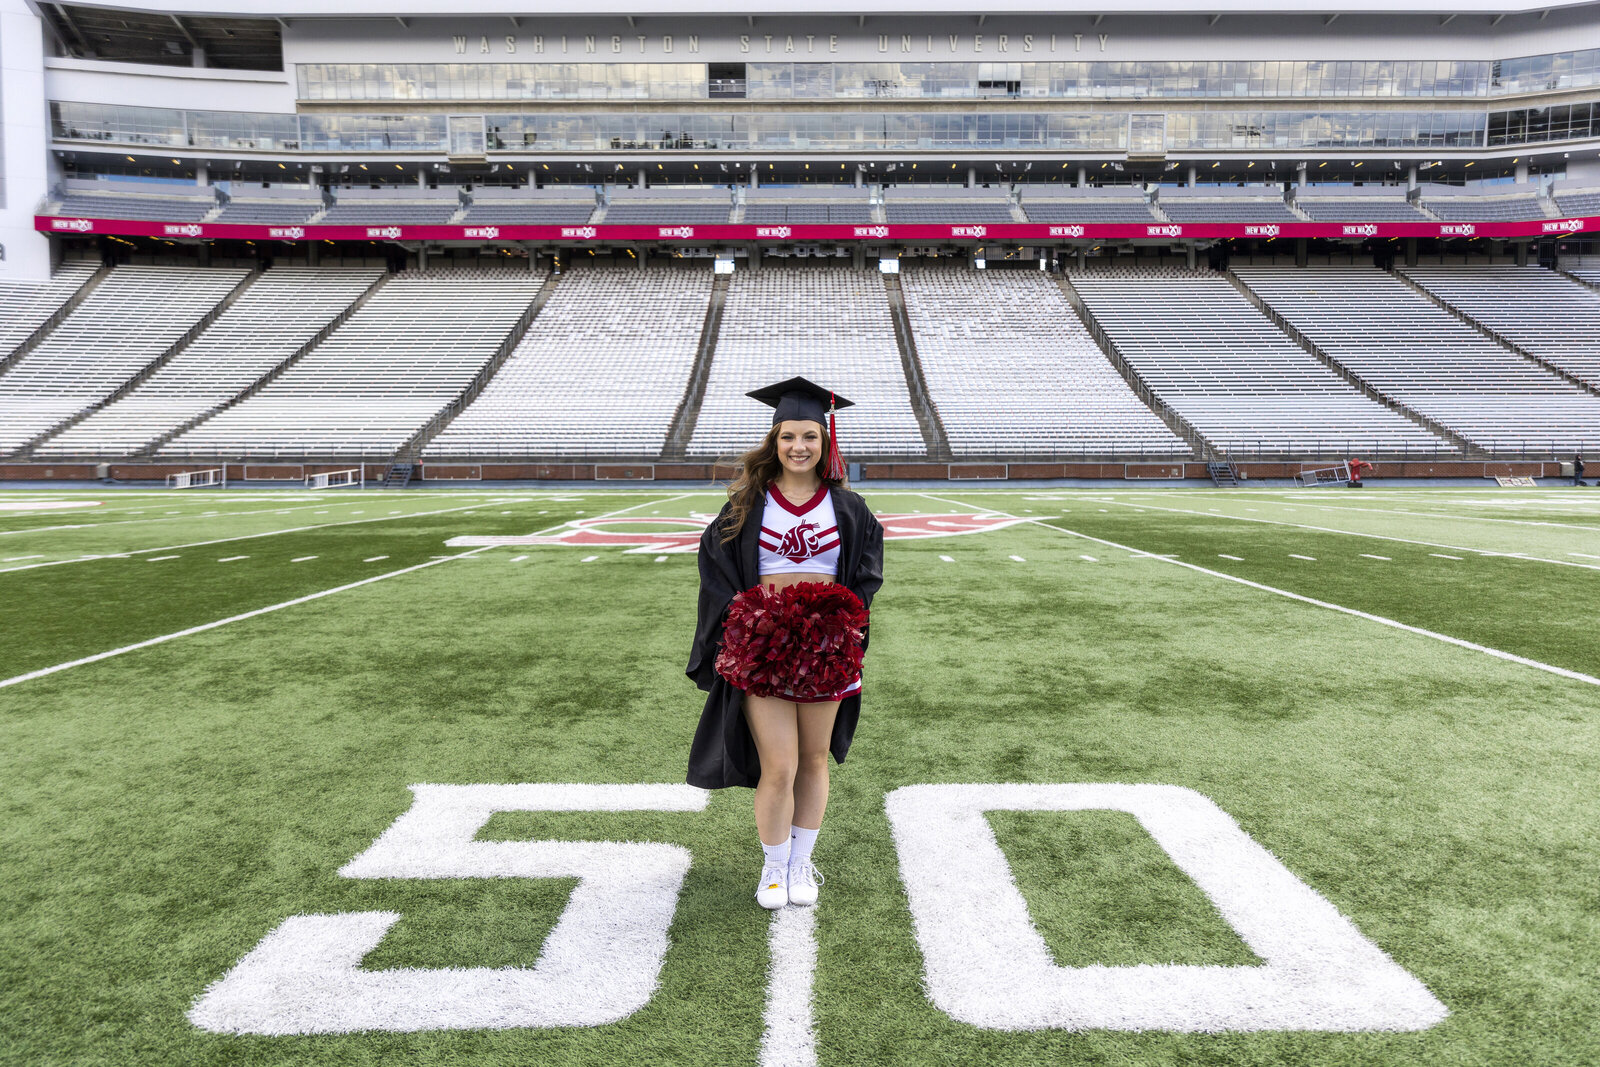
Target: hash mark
[[948, 559], [1294, 555], [158, 559], [1369, 555], [1019, 559], [518, 559], [1224, 555], [302, 559], [1091, 559], [230, 559], [590, 559]]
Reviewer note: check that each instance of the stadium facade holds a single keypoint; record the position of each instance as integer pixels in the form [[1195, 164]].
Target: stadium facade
[[237, 96]]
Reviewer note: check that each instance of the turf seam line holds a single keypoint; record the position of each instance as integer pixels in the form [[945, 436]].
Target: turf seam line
[[1512, 657], [43, 671]]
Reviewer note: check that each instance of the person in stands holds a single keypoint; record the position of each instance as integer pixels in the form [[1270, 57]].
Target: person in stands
[[788, 570]]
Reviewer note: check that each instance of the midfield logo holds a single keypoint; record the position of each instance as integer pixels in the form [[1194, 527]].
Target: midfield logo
[[190, 230], [675, 231], [486, 232], [1563, 226], [1365, 229], [585, 232], [288, 233], [968, 231], [1459, 229], [1066, 231], [80, 225], [774, 231], [1164, 231], [1269, 230], [390, 232]]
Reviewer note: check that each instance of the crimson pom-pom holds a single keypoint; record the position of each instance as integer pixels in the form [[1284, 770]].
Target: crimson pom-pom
[[802, 640]]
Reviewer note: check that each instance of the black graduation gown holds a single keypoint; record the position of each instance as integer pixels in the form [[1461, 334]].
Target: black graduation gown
[[724, 753]]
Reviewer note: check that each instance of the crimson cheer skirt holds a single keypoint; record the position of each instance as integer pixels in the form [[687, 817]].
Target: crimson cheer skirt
[[801, 642]]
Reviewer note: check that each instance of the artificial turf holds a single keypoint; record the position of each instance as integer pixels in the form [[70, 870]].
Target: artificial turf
[[165, 809]]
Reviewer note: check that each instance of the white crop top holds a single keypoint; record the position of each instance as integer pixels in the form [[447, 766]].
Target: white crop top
[[803, 538]]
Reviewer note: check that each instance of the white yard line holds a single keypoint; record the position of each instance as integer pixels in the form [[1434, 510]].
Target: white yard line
[[1444, 515], [1587, 679], [790, 1038], [1359, 533]]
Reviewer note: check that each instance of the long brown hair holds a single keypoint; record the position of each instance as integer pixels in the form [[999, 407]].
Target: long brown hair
[[761, 469]]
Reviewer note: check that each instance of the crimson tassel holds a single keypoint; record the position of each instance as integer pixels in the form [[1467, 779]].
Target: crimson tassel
[[835, 470]]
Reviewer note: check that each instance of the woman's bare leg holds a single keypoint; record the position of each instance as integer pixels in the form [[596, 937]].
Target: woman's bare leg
[[811, 774], [774, 724]]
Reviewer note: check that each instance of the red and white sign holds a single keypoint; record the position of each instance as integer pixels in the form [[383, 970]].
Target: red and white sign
[[646, 536]]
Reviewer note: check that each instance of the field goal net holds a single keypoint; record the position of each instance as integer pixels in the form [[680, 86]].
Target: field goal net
[[350, 479], [1339, 475], [215, 477]]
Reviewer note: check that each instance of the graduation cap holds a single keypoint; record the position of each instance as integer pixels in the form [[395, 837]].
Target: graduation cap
[[801, 400]]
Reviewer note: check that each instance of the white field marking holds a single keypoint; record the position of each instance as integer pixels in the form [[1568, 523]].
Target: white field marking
[[1091, 559], [158, 559], [1295, 555], [1369, 555], [207, 514], [589, 559], [358, 513], [1019, 559], [790, 1038], [1585, 555], [302, 559], [41, 672], [46, 505], [1447, 515], [1441, 555], [518, 559], [239, 537], [986, 965], [505, 513], [948, 559], [230, 559], [174, 513], [1510, 657], [1236, 559], [319, 513], [1374, 536], [660, 559], [598, 965], [394, 513], [373, 559]]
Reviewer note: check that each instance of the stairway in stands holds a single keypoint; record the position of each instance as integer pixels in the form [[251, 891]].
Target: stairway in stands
[[1222, 475], [934, 437], [688, 414], [398, 476]]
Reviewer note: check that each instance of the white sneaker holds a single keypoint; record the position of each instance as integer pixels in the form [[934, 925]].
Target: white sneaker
[[803, 882], [773, 889]]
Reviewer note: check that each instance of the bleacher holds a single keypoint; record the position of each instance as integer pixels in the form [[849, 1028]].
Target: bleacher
[[1200, 204], [123, 206], [389, 211], [600, 371], [400, 360], [828, 324], [778, 207], [1415, 352], [1535, 309], [1216, 360], [1012, 370], [272, 319], [130, 319], [26, 306], [1471, 208], [283, 212], [933, 205], [1389, 208], [668, 206], [1047, 206], [1590, 276], [1579, 204], [565, 211]]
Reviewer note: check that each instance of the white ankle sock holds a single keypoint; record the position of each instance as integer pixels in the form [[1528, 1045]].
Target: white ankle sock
[[801, 841], [777, 855]]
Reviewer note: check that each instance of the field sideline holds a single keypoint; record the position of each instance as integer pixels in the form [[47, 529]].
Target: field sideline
[[215, 702]]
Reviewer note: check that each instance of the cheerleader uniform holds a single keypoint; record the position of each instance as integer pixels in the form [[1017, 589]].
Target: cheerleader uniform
[[802, 539]]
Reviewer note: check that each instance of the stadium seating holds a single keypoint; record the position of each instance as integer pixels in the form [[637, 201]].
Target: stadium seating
[[395, 211], [1415, 352], [687, 206], [914, 205], [26, 306], [542, 212], [277, 315], [1535, 309], [827, 324], [270, 212], [1360, 209], [1012, 370], [1576, 204], [1047, 207], [600, 371], [777, 207], [395, 364], [130, 319], [1192, 204], [1467, 208], [1211, 356], [120, 206], [1591, 277]]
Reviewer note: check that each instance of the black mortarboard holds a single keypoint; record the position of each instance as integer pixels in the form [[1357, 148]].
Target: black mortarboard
[[798, 398]]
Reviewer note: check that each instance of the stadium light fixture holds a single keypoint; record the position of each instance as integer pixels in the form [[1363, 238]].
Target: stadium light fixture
[[1217, 164], [132, 160], [1470, 162], [363, 166], [177, 161]]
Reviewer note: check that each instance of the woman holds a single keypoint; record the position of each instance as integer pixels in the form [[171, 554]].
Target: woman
[[792, 544]]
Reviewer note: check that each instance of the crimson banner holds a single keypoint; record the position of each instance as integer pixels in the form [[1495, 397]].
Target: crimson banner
[[1003, 233]]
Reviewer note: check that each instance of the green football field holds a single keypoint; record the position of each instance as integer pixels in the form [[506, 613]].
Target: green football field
[[1142, 777]]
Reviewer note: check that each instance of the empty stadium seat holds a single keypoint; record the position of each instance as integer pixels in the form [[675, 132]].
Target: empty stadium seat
[[26, 306]]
